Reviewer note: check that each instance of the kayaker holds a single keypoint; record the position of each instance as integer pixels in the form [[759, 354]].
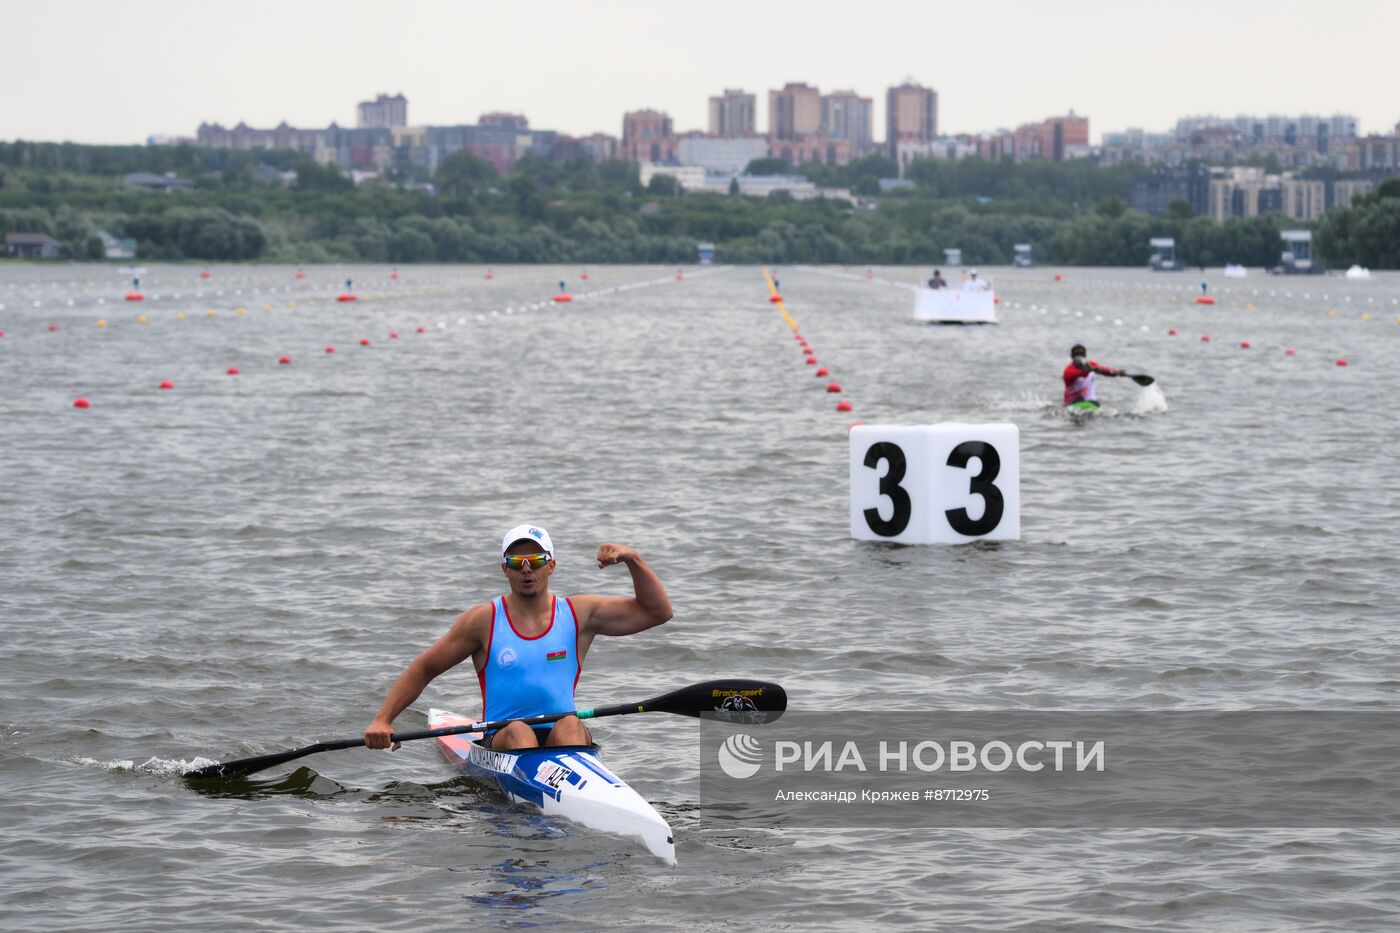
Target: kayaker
[[528, 646], [1079, 377]]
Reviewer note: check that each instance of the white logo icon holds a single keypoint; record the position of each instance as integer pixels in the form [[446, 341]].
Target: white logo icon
[[740, 756], [506, 657]]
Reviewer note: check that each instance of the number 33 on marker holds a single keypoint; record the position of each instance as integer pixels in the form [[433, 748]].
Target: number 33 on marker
[[936, 483]]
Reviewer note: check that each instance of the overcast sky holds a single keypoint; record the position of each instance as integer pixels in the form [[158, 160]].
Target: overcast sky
[[117, 72]]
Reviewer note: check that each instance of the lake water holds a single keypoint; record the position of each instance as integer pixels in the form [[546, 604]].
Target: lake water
[[244, 563]]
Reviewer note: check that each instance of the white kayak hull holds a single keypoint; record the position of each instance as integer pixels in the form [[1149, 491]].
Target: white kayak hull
[[570, 781]]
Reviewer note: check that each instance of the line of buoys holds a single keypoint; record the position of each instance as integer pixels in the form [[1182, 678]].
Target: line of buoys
[[286, 359], [809, 355]]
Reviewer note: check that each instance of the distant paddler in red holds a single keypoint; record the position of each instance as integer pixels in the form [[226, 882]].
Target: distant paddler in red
[[1079, 378]]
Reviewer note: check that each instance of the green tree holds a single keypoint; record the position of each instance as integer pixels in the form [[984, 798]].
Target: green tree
[[464, 175], [768, 166]]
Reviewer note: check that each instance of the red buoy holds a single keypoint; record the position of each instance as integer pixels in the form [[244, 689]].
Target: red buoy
[[679, 277], [833, 387], [1204, 300], [1172, 332], [135, 296], [393, 335], [167, 384], [1057, 276], [393, 275], [204, 274], [490, 275], [1342, 362], [823, 372], [301, 275], [330, 349], [1205, 338], [1244, 344], [80, 402], [364, 341], [843, 406], [563, 297], [345, 296], [233, 371], [52, 328], [422, 329], [1289, 352], [775, 298], [811, 361], [284, 360]]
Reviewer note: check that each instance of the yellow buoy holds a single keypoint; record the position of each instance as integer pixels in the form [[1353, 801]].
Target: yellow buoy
[[1331, 313], [104, 323], [1365, 317], [179, 315], [211, 313], [141, 319], [267, 307], [291, 304], [239, 312]]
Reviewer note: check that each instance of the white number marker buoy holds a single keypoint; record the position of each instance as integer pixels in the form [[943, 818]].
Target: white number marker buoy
[[936, 483]]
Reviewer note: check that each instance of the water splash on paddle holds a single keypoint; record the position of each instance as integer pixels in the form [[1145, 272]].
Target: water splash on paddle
[[1150, 401], [161, 767]]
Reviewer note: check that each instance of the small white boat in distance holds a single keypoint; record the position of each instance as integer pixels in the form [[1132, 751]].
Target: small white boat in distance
[[955, 306], [1358, 272], [1234, 271]]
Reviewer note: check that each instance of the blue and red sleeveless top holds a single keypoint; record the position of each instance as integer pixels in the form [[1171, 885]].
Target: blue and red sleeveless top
[[530, 676]]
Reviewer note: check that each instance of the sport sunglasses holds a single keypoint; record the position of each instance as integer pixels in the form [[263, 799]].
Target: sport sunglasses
[[516, 561]]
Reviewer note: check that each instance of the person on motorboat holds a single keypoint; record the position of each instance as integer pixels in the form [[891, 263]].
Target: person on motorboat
[[1079, 378], [938, 281], [528, 646], [974, 284]]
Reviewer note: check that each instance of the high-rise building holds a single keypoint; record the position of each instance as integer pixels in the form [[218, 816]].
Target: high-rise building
[[383, 111], [911, 116], [848, 116], [509, 121], [794, 112], [733, 114], [647, 137]]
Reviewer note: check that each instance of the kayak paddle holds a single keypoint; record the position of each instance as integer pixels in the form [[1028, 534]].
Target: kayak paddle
[[752, 701], [1140, 380]]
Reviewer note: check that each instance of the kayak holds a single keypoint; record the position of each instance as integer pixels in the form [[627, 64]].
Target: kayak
[[1081, 411], [563, 780]]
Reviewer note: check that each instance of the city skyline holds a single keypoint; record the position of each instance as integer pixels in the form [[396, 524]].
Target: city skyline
[[577, 71]]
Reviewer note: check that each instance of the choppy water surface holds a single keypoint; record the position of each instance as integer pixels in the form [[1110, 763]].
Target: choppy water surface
[[243, 564]]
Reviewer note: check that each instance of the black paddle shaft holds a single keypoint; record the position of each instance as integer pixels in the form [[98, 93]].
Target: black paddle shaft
[[758, 700]]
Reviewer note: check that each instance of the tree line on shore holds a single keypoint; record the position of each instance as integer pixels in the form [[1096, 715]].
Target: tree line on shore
[[1072, 213]]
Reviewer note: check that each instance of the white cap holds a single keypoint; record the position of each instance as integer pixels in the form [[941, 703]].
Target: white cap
[[528, 532], [974, 271]]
